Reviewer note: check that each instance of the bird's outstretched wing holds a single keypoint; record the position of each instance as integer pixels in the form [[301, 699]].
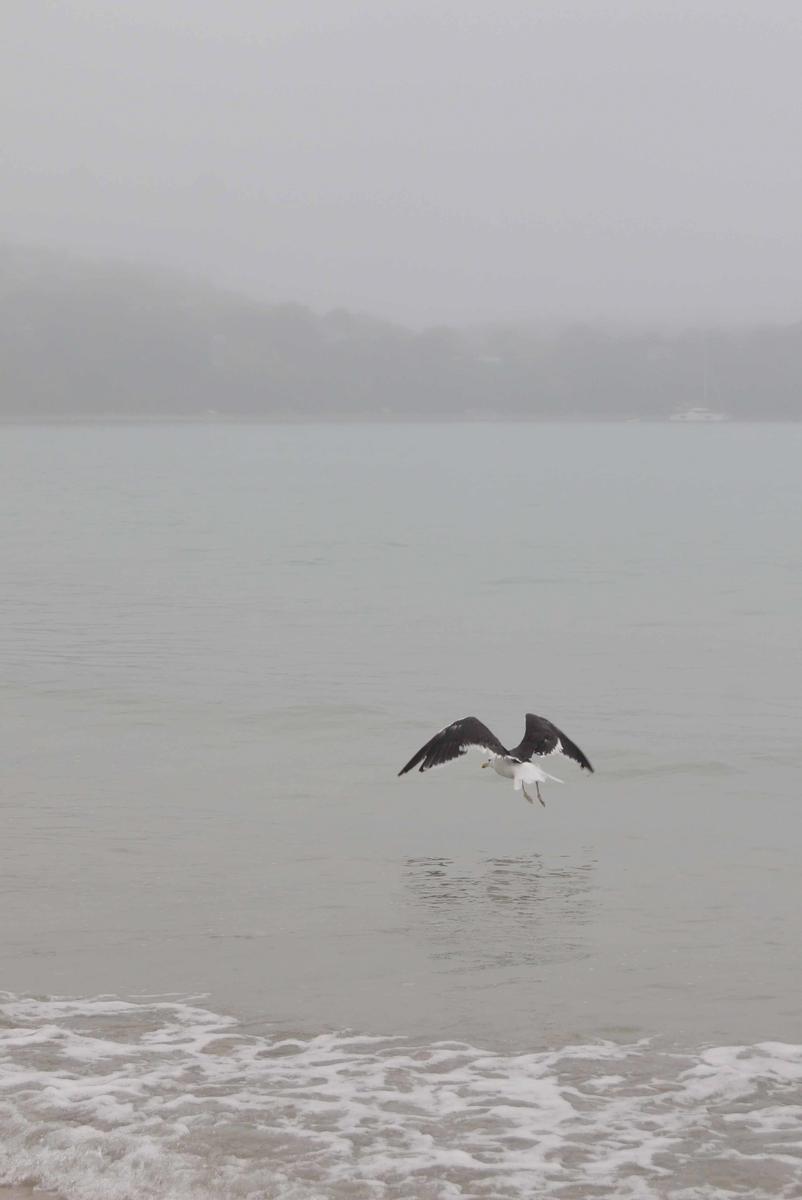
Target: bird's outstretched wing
[[451, 742], [543, 738]]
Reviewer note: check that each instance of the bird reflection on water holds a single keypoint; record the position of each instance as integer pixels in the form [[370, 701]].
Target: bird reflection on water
[[502, 911]]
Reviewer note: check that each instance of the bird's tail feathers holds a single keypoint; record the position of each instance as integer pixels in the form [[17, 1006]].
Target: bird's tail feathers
[[530, 773]]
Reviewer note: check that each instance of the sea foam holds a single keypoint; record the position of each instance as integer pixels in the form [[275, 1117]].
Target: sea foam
[[107, 1099]]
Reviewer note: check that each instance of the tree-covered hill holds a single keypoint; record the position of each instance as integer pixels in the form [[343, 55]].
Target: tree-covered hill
[[81, 339]]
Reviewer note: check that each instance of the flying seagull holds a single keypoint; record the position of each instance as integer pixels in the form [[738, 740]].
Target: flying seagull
[[540, 740]]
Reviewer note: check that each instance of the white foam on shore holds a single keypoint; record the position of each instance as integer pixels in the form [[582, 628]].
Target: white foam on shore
[[104, 1099]]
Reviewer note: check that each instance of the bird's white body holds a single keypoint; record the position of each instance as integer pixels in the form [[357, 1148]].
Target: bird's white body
[[521, 774]]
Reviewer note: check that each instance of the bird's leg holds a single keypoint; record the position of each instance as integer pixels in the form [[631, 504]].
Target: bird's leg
[[540, 798], [530, 798]]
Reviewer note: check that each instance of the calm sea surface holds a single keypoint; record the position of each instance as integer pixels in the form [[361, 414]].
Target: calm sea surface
[[241, 958]]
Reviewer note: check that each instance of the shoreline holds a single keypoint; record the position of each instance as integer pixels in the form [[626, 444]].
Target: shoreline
[[78, 419]]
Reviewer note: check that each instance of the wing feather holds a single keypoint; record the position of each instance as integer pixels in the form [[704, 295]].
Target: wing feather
[[543, 738], [456, 739]]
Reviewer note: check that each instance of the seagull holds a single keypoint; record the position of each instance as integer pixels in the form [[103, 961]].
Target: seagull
[[540, 740]]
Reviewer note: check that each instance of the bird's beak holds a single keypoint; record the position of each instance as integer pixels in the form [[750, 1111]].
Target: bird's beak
[[485, 764]]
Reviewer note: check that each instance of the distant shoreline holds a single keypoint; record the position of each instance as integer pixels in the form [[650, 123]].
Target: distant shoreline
[[10, 419], [164, 350]]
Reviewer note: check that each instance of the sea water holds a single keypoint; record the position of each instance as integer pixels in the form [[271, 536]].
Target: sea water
[[242, 958]]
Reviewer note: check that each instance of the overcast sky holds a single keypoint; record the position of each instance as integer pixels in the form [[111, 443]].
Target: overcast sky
[[429, 160]]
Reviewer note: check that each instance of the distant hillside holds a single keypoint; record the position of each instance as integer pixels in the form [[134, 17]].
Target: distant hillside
[[83, 339]]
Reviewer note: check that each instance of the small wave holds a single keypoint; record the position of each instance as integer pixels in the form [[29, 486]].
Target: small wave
[[106, 1099]]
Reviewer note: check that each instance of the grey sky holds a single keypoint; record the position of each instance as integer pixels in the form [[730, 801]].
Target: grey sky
[[431, 160]]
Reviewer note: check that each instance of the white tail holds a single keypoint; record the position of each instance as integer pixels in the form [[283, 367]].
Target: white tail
[[529, 773]]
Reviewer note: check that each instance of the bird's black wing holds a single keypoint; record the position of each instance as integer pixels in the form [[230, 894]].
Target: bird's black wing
[[543, 738], [451, 742]]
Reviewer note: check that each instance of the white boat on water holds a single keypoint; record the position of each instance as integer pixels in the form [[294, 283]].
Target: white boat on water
[[698, 414], [701, 413]]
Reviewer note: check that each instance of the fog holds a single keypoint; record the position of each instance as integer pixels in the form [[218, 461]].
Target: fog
[[431, 161]]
